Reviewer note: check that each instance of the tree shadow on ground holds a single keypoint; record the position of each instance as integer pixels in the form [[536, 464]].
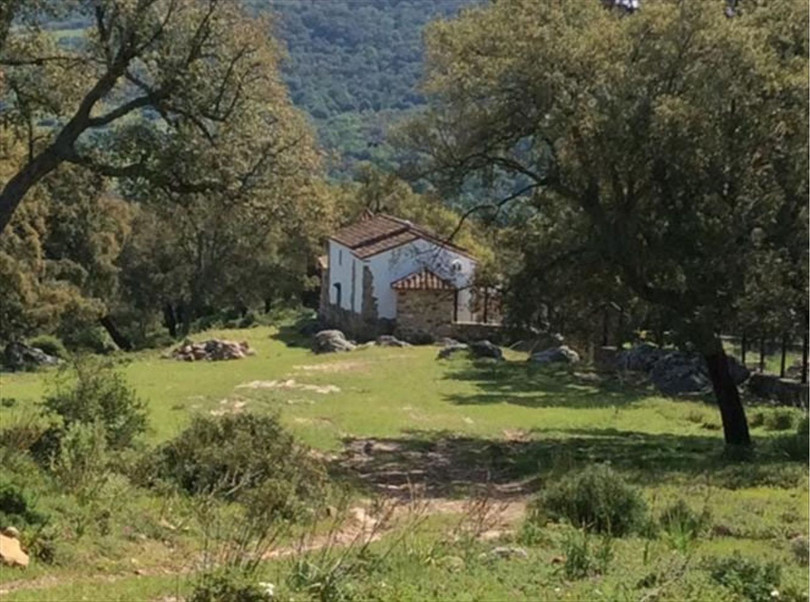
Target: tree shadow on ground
[[520, 383], [439, 464], [297, 334]]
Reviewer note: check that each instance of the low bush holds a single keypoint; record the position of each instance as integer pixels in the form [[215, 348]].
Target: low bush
[[93, 392], [582, 558], [17, 508], [229, 586], [244, 457], [50, 345], [747, 578], [756, 419], [596, 498], [682, 525], [779, 420]]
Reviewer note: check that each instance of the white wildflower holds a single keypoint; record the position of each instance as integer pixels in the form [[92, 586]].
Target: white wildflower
[[775, 593], [267, 587]]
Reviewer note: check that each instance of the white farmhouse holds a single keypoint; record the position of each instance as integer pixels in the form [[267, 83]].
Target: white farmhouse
[[383, 274]]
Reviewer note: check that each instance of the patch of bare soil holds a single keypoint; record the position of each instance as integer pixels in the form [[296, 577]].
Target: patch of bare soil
[[343, 366], [289, 384], [443, 468]]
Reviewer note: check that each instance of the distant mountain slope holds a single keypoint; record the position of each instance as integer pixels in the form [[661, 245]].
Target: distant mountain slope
[[355, 66]]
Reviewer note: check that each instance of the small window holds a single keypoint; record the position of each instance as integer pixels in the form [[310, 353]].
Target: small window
[[337, 293], [456, 266], [340, 256]]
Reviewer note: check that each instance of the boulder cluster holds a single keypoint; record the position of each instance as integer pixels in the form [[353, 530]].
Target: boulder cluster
[[211, 350], [476, 349], [675, 372], [19, 356], [333, 341]]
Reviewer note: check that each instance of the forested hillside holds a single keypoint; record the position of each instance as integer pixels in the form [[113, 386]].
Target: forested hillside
[[355, 66]]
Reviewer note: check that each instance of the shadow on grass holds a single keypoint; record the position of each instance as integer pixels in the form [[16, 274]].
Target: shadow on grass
[[442, 465], [299, 333], [520, 383]]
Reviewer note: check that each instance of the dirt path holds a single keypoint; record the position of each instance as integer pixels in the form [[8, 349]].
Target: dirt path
[[412, 480]]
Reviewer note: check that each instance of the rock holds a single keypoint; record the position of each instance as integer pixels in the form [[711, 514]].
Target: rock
[[786, 391], [19, 356], [330, 341], [450, 350], [739, 373], [447, 342], [509, 552], [211, 350], [11, 532], [640, 358], [11, 553], [679, 373], [555, 355], [795, 370], [676, 372], [388, 340], [485, 349]]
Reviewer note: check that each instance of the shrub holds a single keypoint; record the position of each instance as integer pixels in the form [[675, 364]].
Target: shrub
[[81, 462], [779, 420], [229, 586], [17, 508], [100, 395], [50, 345], [682, 524], [596, 498], [746, 577], [756, 419], [245, 457], [581, 559]]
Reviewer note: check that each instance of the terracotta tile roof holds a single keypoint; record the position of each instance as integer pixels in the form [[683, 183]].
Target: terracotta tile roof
[[375, 234], [423, 280]]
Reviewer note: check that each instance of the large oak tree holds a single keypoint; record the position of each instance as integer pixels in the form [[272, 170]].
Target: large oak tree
[[676, 136]]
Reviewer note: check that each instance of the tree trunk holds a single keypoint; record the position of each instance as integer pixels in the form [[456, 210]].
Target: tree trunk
[[735, 424], [117, 336], [15, 189], [605, 327], [784, 354], [762, 355], [170, 319], [744, 348], [804, 359]]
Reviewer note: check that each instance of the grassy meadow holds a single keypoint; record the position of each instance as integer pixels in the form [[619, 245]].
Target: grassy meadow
[[398, 424]]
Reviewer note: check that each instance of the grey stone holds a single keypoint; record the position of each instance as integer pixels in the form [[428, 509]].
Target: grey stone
[[555, 355], [329, 341], [18, 356], [388, 340], [485, 349], [509, 552], [449, 350], [640, 358], [679, 373]]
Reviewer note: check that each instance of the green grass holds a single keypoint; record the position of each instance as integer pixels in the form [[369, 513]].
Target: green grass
[[460, 425]]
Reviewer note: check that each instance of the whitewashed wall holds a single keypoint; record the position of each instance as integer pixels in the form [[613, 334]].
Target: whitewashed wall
[[399, 262], [392, 265]]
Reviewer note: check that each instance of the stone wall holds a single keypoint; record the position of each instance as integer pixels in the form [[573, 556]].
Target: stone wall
[[420, 312], [469, 331], [356, 327]]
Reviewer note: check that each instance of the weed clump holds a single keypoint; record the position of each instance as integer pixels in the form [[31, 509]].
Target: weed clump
[[229, 586], [17, 508], [595, 499], [779, 420], [749, 579], [242, 457]]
